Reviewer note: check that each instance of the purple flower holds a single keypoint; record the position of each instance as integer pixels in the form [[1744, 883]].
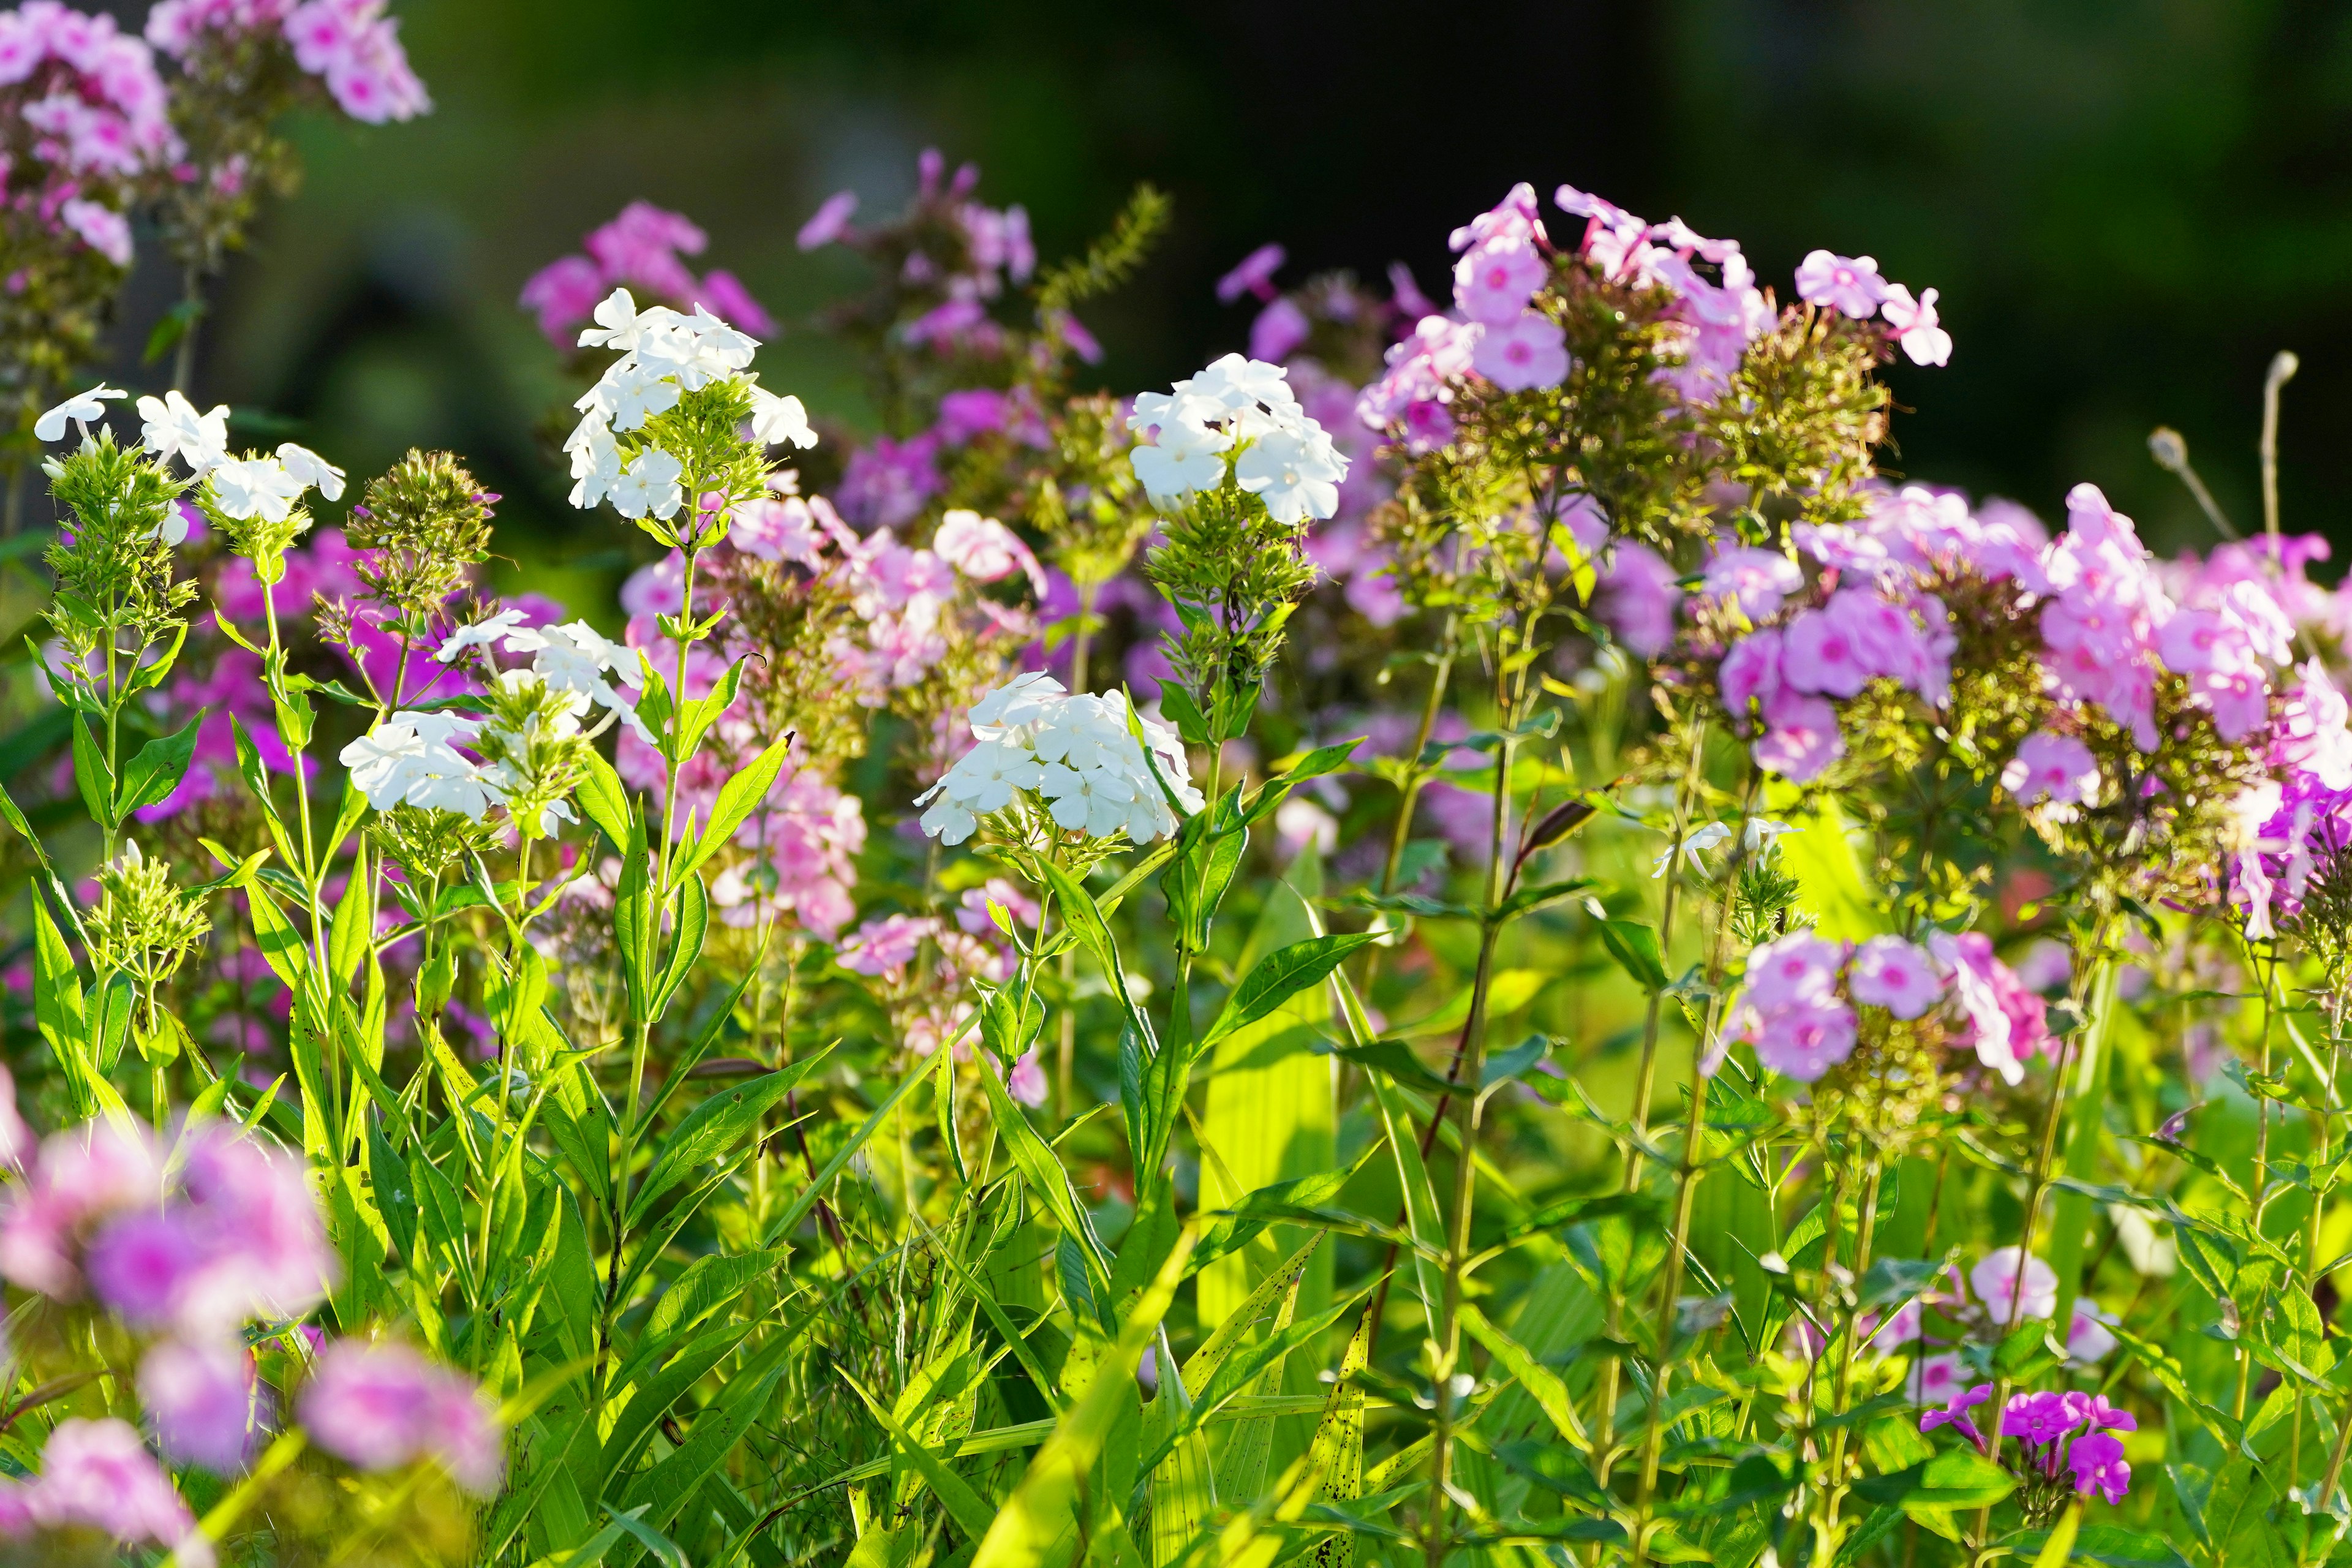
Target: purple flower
[[1639, 596], [829, 221], [887, 945], [1915, 325], [1890, 973], [2098, 1464], [98, 1475], [2012, 1284], [726, 299], [141, 1265], [2039, 1418], [1848, 285], [1252, 275], [378, 1406], [1528, 352], [1801, 733], [1801, 1042], [888, 483], [562, 294], [1278, 330], [1755, 580], [1956, 1414], [2057, 768], [1750, 673], [200, 1398]]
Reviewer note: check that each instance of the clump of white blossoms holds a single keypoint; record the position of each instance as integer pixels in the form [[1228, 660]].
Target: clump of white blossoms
[[1241, 409], [1071, 758], [528, 745], [617, 451]]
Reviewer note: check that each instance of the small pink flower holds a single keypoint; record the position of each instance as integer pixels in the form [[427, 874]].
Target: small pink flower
[[1750, 673], [1848, 285], [2087, 1336], [2098, 1461], [885, 946], [1819, 653], [1254, 274], [1755, 580], [2011, 1284], [1493, 282], [379, 1406], [2049, 767], [96, 1474], [728, 300], [1956, 1414], [1800, 733], [1802, 1042], [201, 1399], [1026, 1081], [1890, 973], [562, 294], [1529, 352], [1915, 325], [1797, 970]]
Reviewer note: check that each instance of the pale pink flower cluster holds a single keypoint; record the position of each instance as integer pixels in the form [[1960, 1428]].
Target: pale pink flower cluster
[[931, 1004], [1797, 1004], [97, 115], [381, 1405], [350, 44], [96, 1475], [1851, 286], [644, 249], [1719, 315]]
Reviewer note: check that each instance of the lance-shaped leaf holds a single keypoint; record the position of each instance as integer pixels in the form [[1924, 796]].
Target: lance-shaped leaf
[[156, 770], [712, 1129], [738, 798], [1282, 975]]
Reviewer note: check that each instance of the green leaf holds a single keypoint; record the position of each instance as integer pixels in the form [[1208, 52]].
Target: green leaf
[[158, 768], [1957, 1478], [602, 796], [1635, 946], [1282, 975], [690, 919], [1542, 1384], [1397, 1059], [963, 1505], [92, 776], [738, 798], [712, 1129]]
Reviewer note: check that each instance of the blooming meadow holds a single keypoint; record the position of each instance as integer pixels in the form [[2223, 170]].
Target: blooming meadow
[[1468, 935]]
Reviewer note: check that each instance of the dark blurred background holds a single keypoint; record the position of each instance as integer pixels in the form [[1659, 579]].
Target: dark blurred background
[[2129, 206]]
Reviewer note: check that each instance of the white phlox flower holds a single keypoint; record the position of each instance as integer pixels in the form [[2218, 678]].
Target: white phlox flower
[[1694, 842], [638, 391], [1760, 832], [484, 633], [260, 488], [412, 759], [1075, 751], [312, 471], [172, 426], [777, 420], [648, 486], [596, 462], [80, 410], [1288, 459], [619, 322], [576, 657]]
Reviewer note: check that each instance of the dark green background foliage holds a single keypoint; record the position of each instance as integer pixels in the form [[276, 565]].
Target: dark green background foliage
[[2128, 205]]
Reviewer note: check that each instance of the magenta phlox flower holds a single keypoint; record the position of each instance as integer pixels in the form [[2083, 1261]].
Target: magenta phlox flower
[[1640, 593], [140, 1265], [1801, 737], [1528, 351], [1819, 653], [885, 947], [2093, 1413], [1890, 973], [79, 1176], [1254, 274], [378, 1406], [1849, 285], [1936, 1378], [562, 294], [888, 482], [1956, 1414], [1801, 1041], [2056, 768], [2098, 1461], [1420, 370], [2040, 1419], [1276, 332], [1750, 674]]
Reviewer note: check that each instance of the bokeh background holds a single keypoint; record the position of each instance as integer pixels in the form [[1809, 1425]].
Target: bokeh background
[[2129, 206]]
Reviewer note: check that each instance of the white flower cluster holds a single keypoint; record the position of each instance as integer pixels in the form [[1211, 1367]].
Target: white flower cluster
[[412, 759], [663, 355], [243, 488], [573, 658], [1075, 750], [1285, 458]]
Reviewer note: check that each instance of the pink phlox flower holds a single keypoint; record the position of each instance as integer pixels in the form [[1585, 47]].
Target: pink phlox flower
[[2014, 1285], [1849, 285], [2088, 1341], [1493, 281], [984, 550], [1276, 332], [1750, 674], [2097, 1461], [1821, 654], [829, 222], [1421, 369], [378, 1406], [1528, 352], [1254, 274], [1936, 1378], [1026, 1081], [1956, 1414], [1917, 326], [2056, 768], [1516, 217], [2093, 1413], [201, 1399], [1638, 596], [1890, 973], [973, 913], [1802, 1041], [642, 247], [562, 294], [885, 946], [1756, 581], [723, 294], [98, 1475], [1801, 737], [1800, 969]]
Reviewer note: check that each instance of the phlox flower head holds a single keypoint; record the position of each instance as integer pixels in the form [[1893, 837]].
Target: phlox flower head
[[2013, 1285], [1849, 285], [1800, 1042], [200, 1399], [2039, 1418], [2097, 1461], [1493, 282], [2056, 768], [984, 550], [412, 759], [1956, 1414], [1754, 580], [1287, 459], [78, 1178], [885, 946], [98, 1475], [1801, 737], [1890, 973], [2006, 1021], [379, 1406], [1527, 351], [1075, 751], [1800, 969]]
